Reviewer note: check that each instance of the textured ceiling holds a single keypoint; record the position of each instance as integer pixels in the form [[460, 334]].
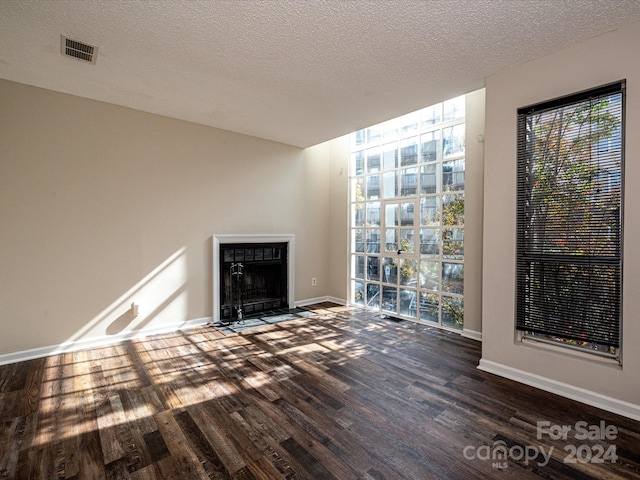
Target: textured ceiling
[[293, 71]]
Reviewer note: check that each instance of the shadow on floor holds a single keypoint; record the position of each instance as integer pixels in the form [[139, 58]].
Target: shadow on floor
[[263, 318]]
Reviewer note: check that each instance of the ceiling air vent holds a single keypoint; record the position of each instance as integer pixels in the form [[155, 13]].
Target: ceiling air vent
[[79, 50]]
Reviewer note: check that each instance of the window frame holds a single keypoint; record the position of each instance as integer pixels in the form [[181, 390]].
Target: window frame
[[418, 182], [529, 252]]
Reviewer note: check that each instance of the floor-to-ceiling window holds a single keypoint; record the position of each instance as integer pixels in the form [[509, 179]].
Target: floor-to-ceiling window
[[407, 215]]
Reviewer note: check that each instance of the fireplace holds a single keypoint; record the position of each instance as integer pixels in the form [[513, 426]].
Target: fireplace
[[252, 274]]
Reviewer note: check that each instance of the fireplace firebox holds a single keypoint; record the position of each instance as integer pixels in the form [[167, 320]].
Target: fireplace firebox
[[253, 278]]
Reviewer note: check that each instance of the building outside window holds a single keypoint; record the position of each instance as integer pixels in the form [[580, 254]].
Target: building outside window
[[407, 215]]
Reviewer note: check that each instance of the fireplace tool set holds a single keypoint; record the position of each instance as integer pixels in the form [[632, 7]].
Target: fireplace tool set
[[237, 293]]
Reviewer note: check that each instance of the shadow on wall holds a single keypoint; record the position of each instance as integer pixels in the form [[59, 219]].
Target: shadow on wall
[[120, 323], [159, 299]]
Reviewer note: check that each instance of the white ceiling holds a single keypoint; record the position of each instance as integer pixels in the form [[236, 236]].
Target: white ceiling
[[293, 71]]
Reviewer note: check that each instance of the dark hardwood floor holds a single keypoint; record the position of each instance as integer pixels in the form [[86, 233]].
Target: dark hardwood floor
[[343, 394]]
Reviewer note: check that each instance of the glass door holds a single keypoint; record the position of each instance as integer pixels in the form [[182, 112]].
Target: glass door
[[399, 260]]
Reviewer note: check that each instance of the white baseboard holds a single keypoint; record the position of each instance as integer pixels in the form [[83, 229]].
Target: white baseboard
[[98, 341], [82, 344], [613, 405], [472, 334], [311, 301], [339, 301]]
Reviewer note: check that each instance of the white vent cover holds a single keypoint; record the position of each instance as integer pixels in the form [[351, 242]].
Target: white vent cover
[[78, 50]]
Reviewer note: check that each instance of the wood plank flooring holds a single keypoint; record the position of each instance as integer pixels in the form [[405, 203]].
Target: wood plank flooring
[[342, 395]]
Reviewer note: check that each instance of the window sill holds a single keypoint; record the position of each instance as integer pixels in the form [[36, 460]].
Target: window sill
[[595, 357]]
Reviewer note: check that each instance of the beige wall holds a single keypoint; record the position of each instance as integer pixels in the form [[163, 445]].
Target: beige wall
[[599, 61], [339, 154], [473, 193], [104, 206]]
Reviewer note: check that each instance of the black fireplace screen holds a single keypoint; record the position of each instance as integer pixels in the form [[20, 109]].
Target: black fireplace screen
[[253, 278]]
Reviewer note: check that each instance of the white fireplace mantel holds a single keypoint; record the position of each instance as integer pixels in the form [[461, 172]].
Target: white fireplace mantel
[[253, 238]]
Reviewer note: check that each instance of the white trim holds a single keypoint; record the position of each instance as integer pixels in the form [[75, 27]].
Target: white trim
[[105, 340], [566, 349], [98, 341], [311, 301], [339, 301], [613, 405], [472, 334], [253, 238]]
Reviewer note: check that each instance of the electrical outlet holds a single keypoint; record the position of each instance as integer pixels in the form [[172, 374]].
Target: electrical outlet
[[314, 282]]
